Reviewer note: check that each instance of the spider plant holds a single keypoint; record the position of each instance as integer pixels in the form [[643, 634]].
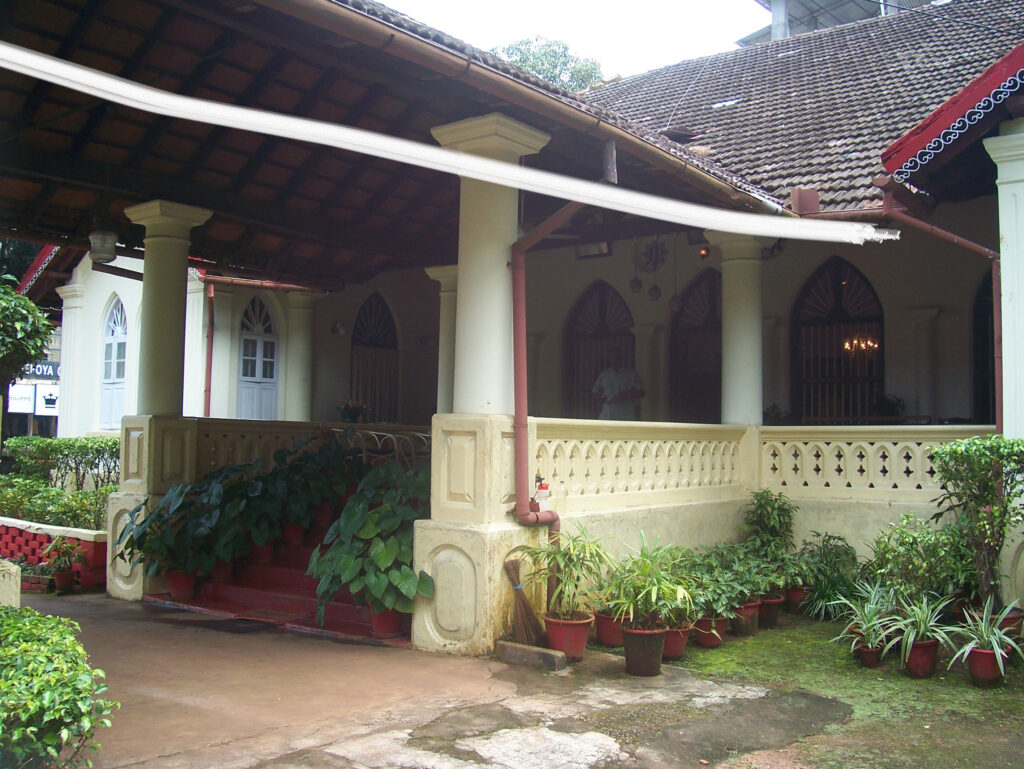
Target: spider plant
[[866, 614], [917, 620], [983, 632]]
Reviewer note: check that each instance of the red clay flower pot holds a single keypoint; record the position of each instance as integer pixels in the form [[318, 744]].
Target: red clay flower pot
[[180, 585], [568, 635], [768, 616], [261, 553], [921, 659], [745, 621], [643, 650], [983, 667], [63, 581], [704, 631], [675, 642], [386, 624], [869, 656], [795, 597], [609, 629], [1013, 622]]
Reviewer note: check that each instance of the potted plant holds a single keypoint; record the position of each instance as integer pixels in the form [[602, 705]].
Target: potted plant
[[866, 614], [982, 489], [986, 645], [918, 629], [643, 592], [575, 563], [715, 593], [607, 628], [768, 518], [832, 562], [796, 574], [62, 554], [369, 549]]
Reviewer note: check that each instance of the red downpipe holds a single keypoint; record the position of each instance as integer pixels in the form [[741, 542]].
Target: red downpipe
[[209, 349], [997, 339]]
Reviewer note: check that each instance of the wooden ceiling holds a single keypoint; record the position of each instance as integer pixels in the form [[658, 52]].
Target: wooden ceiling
[[284, 210]]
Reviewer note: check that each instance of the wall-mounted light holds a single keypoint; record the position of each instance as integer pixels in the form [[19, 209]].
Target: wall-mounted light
[[338, 329], [704, 252], [102, 245]]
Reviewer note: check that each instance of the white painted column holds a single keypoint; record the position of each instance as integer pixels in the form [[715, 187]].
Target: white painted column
[[72, 389], [488, 226], [447, 277], [298, 389], [162, 338], [925, 345], [648, 365], [224, 374], [1007, 150], [742, 339]]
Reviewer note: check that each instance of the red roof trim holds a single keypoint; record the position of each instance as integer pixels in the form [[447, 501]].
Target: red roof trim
[[40, 263], [951, 120]]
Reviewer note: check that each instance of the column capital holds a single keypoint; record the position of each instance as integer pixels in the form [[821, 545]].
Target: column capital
[[72, 293], [1007, 150], [447, 275], [166, 218], [494, 136], [733, 245], [299, 300]]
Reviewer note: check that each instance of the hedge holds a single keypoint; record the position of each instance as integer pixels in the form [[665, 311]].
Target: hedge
[[32, 499], [67, 462], [50, 705]]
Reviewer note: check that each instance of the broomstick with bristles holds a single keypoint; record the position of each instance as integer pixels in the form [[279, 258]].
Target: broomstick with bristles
[[526, 628]]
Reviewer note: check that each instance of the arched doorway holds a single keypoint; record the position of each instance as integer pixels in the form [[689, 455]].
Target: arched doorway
[[598, 321], [695, 352], [837, 347], [258, 362], [374, 371], [115, 354], [983, 343]]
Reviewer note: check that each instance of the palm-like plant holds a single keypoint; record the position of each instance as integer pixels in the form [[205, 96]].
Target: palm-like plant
[[576, 562], [917, 620], [644, 594], [866, 614], [983, 632]]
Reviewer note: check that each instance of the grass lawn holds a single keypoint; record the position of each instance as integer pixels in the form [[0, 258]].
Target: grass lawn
[[897, 723]]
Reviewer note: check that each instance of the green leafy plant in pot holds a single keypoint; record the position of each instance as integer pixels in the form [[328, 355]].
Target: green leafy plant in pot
[[369, 549], [918, 628], [574, 562], [866, 614], [986, 644], [62, 554], [832, 562]]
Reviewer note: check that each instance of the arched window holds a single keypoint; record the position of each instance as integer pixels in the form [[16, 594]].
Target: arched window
[[374, 372], [695, 352], [258, 362], [115, 353], [599, 321], [984, 385], [837, 348]]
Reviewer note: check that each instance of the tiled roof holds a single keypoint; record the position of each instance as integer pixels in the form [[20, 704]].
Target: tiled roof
[[605, 115], [817, 110]]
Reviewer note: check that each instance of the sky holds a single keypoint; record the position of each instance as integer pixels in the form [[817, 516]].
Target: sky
[[661, 32]]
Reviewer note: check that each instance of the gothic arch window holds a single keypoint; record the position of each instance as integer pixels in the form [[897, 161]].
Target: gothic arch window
[[695, 352], [258, 364], [837, 348], [374, 371], [597, 322], [115, 355], [984, 369]]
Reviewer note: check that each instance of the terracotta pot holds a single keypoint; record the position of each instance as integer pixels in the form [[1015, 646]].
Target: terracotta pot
[[705, 629], [386, 624], [869, 656], [768, 617], [920, 662], [643, 650], [63, 581], [292, 533], [795, 596], [180, 585], [1013, 622], [675, 642], [609, 629], [983, 667], [261, 553], [745, 621], [568, 635]]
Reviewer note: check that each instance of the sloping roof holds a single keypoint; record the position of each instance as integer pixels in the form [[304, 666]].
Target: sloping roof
[[963, 119], [817, 110]]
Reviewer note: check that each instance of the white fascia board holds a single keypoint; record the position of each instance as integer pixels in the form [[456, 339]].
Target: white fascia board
[[153, 100]]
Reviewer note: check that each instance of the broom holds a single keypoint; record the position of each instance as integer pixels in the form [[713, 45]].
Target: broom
[[526, 628]]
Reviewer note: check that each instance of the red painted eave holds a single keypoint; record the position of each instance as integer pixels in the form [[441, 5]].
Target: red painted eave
[[46, 253], [1005, 75]]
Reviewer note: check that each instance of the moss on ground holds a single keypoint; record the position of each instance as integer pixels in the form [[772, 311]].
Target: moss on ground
[[897, 722]]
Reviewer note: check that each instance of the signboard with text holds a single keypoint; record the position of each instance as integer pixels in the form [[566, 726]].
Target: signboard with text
[[22, 399]]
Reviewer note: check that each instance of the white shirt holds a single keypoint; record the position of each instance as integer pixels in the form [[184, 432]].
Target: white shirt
[[613, 381]]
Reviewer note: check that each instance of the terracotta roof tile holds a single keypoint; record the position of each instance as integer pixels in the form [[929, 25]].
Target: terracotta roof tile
[[816, 110]]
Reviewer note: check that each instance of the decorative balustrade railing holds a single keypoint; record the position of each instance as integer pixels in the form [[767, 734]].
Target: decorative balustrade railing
[[597, 462], [867, 462]]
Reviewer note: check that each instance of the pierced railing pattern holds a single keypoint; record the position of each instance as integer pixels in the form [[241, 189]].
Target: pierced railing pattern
[[628, 459], [232, 441], [854, 460]]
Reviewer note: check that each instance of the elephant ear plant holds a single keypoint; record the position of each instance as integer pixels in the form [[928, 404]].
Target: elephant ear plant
[[369, 548], [983, 482]]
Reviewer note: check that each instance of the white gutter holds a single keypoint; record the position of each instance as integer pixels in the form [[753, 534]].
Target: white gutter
[[148, 99]]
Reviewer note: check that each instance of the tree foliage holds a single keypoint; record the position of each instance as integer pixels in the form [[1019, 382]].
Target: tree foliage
[[553, 61], [24, 332], [16, 256]]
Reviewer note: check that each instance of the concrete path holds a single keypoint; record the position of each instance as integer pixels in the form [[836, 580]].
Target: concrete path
[[199, 698]]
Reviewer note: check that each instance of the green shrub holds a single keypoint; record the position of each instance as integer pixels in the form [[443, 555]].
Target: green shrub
[[50, 702], [67, 462], [31, 499], [832, 562]]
